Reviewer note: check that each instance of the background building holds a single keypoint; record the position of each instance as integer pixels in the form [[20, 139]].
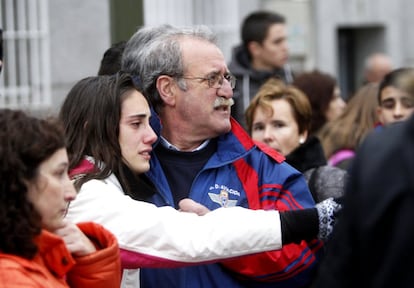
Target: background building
[[49, 45]]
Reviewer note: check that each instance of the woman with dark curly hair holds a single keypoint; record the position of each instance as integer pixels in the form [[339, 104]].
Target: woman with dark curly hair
[[38, 247]]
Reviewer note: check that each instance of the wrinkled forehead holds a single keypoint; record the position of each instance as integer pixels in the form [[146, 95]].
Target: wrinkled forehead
[[201, 56]]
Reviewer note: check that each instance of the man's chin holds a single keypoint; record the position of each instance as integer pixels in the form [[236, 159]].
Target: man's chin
[[226, 128]]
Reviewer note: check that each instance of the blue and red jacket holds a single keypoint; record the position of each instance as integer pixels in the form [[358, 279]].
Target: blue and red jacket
[[241, 173]]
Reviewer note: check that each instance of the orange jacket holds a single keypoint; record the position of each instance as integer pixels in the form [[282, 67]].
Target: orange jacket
[[54, 266]]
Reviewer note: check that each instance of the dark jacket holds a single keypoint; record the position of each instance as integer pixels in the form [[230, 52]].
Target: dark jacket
[[324, 181], [372, 244], [249, 81]]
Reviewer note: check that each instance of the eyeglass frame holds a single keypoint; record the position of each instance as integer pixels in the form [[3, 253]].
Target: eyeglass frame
[[215, 83]]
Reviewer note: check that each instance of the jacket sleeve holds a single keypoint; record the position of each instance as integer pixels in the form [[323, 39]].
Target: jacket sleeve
[[99, 269], [151, 236], [279, 187]]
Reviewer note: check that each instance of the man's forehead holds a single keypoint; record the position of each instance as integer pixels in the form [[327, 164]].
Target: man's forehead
[[204, 60]]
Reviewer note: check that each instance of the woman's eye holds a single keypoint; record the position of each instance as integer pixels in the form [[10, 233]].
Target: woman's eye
[[257, 128], [278, 125], [61, 173]]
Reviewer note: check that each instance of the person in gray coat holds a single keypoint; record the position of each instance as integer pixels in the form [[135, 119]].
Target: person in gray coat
[[263, 54]]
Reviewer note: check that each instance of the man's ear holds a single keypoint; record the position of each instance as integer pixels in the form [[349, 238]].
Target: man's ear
[[167, 88], [254, 48]]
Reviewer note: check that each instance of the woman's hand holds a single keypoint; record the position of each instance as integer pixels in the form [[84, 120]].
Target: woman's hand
[[76, 241]]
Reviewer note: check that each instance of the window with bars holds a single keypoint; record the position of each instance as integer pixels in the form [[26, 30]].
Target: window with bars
[[25, 79]]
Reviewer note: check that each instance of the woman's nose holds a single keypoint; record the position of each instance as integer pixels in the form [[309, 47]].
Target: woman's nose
[[69, 190], [151, 135]]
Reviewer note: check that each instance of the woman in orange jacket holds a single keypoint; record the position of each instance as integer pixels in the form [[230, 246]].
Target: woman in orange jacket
[[38, 247]]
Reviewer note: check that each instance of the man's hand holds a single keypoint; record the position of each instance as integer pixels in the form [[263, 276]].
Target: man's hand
[[189, 205]]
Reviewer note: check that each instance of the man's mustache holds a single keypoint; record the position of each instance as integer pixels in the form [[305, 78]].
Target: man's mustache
[[222, 101]]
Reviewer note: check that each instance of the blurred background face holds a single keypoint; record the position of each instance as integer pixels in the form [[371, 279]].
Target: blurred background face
[[378, 66], [396, 105], [336, 106], [135, 133], [279, 129], [52, 190], [273, 52]]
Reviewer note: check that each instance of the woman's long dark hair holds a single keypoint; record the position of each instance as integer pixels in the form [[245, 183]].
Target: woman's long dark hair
[[91, 114]]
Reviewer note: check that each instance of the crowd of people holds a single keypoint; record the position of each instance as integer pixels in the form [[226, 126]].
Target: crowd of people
[[173, 168]]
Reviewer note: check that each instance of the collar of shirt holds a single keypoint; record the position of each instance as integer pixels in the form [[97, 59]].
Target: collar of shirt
[[164, 142]]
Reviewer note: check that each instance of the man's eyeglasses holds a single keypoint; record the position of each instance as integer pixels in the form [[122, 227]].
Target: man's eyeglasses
[[215, 80]]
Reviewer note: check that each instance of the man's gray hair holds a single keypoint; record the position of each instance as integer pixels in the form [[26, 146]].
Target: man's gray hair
[[156, 51]]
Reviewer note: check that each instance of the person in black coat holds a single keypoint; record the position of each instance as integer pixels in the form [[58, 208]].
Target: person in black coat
[[372, 244]]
